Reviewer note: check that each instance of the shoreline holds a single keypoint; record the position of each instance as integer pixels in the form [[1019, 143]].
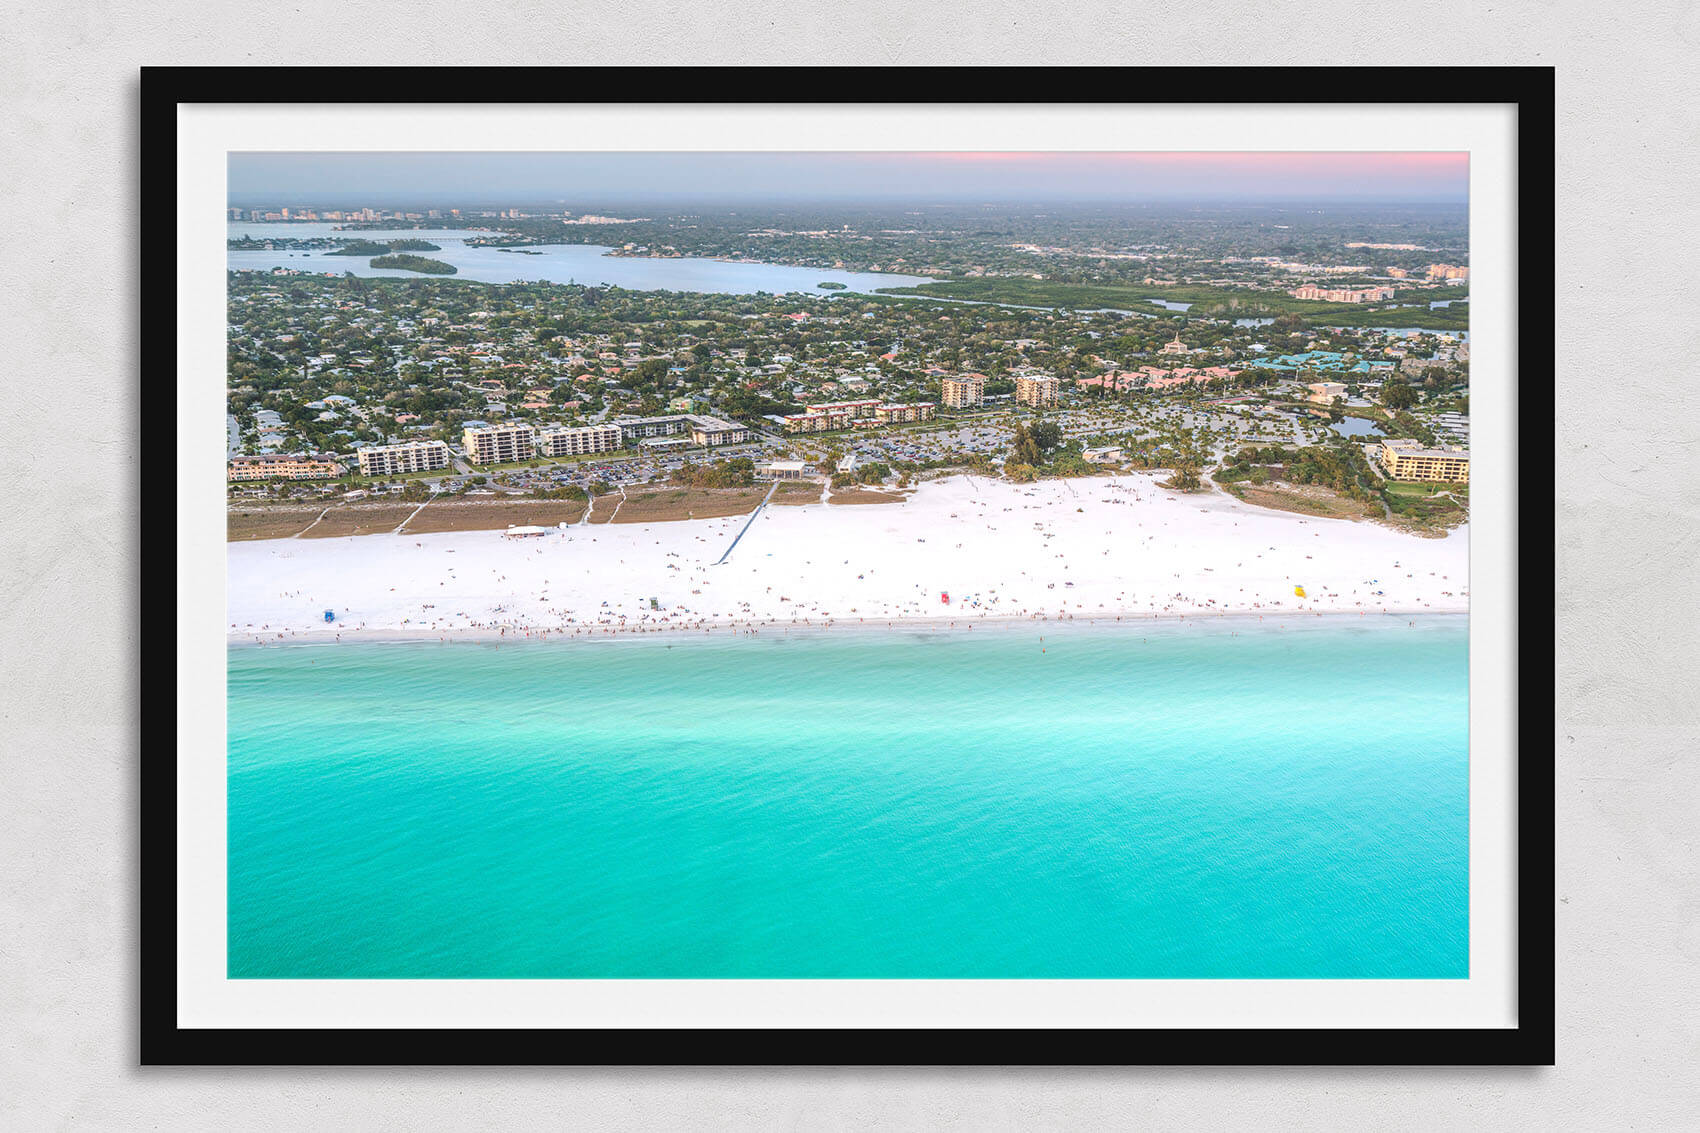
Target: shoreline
[[996, 623]]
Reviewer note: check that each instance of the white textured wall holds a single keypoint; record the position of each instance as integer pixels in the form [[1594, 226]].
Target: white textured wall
[[1629, 603]]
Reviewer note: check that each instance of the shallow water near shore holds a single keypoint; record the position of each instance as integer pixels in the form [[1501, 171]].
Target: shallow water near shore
[[1203, 799]]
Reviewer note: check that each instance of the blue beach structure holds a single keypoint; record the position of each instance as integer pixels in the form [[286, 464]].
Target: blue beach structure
[[330, 615]]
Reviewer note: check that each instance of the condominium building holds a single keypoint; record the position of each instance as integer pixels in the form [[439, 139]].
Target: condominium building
[[580, 441], [499, 444], [1324, 393], [816, 422], [708, 431], [637, 428], [1342, 294], [284, 466], [1037, 390], [1405, 459], [826, 418], [711, 431], [410, 456], [854, 409], [964, 391], [913, 411], [1448, 271]]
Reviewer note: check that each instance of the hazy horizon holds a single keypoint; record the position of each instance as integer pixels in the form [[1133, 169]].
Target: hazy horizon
[[797, 178]]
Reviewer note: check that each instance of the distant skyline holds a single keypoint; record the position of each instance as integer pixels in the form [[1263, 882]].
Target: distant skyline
[[506, 178]]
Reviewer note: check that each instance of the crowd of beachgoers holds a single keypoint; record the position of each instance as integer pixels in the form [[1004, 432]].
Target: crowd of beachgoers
[[960, 551]]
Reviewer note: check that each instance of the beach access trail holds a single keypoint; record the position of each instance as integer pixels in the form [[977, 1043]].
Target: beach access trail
[[402, 526], [759, 507], [313, 524], [960, 549]]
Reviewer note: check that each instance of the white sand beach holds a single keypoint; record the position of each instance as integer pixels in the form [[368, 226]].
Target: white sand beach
[[1098, 548]]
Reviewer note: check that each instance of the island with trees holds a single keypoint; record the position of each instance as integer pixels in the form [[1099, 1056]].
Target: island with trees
[[361, 248], [422, 264]]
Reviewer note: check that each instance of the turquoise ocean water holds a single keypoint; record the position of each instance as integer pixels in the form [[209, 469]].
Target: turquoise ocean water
[[1177, 800]]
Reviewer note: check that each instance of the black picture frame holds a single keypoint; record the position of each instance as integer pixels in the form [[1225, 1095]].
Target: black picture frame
[[1529, 89]]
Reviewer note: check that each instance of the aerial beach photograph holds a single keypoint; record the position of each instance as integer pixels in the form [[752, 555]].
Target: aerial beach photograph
[[847, 565]]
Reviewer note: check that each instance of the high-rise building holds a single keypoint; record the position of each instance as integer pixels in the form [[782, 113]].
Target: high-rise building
[[579, 442], [498, 444], [1037, 390], [963, 391]]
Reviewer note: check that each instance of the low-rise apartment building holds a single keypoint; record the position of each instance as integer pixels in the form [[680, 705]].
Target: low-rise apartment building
[[712, 431], [637, 428], [284, 466], [898, 414], [1342, 294], [1405, 459], [852, 409], [409, 456], [826, 418], [703, 430], [813, 422]]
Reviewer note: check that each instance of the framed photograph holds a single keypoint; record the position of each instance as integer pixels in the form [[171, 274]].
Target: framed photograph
[[1045, 567]]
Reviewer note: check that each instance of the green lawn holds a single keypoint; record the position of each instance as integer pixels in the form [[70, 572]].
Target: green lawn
[[1422, 489]]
